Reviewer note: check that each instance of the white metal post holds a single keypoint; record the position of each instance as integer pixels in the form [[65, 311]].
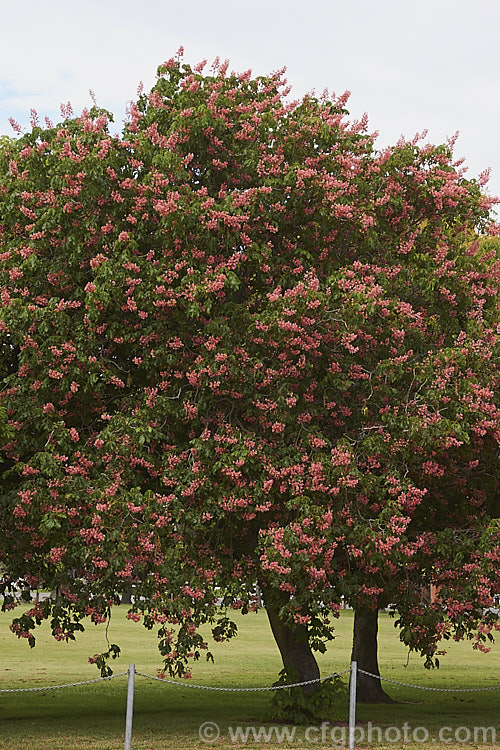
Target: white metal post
[[130, 706], [352, 704]]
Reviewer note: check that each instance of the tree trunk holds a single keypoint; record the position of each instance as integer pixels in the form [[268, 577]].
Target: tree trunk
[[126, 597], [296, 654], [364, 652]]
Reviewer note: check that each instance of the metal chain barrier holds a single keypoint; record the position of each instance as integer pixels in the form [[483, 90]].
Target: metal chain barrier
[[59, 687], [424, 687], [251, 690], [244, 690]]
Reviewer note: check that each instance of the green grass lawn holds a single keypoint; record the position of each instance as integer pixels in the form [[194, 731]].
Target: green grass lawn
[[168, 717]]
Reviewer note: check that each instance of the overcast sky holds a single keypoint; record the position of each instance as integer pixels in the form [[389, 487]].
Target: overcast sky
[[422, 64]]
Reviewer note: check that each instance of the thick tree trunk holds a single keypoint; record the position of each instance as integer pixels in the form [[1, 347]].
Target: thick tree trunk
[[364, 652], [295, 651]]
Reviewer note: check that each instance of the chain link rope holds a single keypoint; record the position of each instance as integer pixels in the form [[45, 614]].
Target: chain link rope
[[60, 687], [243, 690], [250, 690], [424, 687]]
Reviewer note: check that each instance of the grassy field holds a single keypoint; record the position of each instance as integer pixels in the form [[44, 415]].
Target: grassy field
[[168, 717]]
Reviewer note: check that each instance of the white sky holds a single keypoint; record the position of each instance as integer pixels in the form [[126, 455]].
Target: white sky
[[410, 65]]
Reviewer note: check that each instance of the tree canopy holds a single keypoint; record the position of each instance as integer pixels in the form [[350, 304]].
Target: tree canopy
[[243, 347]]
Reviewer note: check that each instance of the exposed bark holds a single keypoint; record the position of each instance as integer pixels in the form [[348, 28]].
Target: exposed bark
[[364, 652], [295, 650]]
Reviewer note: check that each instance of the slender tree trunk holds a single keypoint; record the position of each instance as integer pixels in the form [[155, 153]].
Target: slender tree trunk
[[126, 597], [364, 652], [295, 650]]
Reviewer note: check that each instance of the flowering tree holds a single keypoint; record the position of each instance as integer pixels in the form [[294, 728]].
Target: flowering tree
[[243, 348]]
